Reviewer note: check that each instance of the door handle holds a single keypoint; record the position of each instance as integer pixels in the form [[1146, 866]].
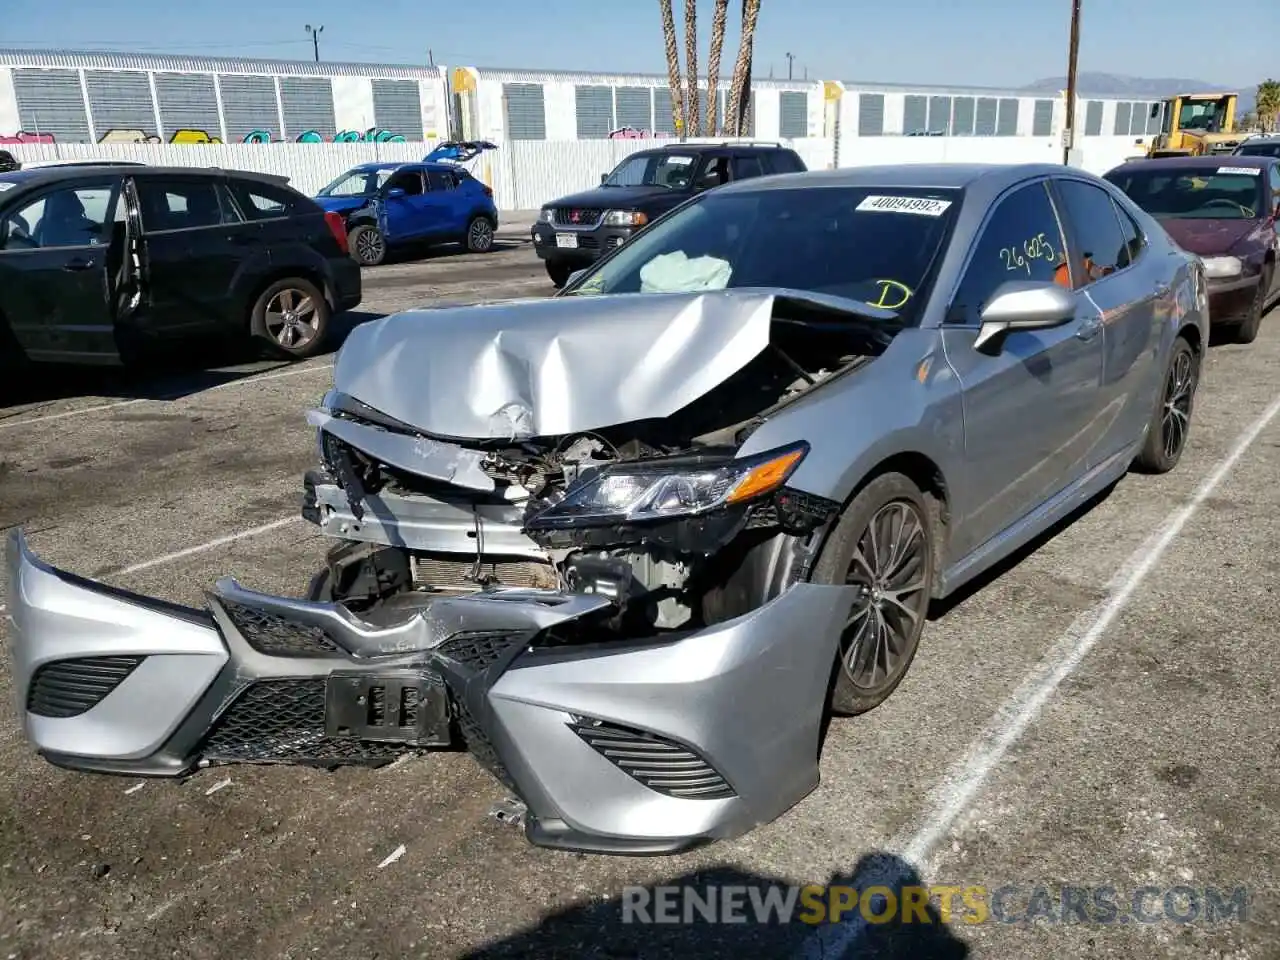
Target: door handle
[[1089, 327], [241, 239], [77, 265]]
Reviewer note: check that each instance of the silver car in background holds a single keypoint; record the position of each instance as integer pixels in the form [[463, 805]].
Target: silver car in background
[[631, 543]]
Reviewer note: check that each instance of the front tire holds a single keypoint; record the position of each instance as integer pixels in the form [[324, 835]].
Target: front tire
[[367, 245], [293, 316], [1171, 422], [558, 272], [479, 235], [884, 543]]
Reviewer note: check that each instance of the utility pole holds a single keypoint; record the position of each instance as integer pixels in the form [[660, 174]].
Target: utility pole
[[314, 33], [790, 59], [1069, 134]]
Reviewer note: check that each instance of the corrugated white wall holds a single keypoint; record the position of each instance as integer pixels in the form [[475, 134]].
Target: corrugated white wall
[[525, 174]]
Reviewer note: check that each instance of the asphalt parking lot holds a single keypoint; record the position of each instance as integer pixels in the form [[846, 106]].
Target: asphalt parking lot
[[1100, 714]]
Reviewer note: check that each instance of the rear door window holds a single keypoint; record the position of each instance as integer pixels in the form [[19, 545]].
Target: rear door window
[[1133, 240], [747, 165], [262, 201], [182, 204], [715, 171], [67, 217], [1101, 247], [786, 161]]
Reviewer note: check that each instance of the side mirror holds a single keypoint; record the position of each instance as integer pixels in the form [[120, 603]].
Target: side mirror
[[395, 192], [1024, 305], [604, 178]]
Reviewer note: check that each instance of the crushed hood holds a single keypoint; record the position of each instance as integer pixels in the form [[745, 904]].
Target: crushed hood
[[530, 368]]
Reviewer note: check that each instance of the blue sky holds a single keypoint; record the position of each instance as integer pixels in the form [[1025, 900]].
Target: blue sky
[[980, 42]]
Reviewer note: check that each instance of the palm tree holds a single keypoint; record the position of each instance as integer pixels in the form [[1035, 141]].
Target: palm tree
[[1268, 103], [673, 65], [713, 65], [740, 92], [692, 111]]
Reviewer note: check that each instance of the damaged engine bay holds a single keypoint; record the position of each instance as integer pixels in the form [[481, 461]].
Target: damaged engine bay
[[659, 514]]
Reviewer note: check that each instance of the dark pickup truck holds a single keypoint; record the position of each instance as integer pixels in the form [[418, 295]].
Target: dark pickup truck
[[575, 231]]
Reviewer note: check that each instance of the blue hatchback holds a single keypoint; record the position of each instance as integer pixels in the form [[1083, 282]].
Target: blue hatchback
[[387, 204]]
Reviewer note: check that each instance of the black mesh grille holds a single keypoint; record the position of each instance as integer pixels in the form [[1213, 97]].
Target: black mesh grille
[[282, 721], [274, 635], [68, 688], [584, 217], [660, 764], [478, 650], [479, 745]]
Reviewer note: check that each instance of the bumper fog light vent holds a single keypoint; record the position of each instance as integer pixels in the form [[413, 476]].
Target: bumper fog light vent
[[660, 764], [277, 637], [68, 688]]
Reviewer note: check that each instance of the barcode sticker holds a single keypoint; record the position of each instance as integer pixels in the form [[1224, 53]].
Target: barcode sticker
[[924, 206], [1248, 171]]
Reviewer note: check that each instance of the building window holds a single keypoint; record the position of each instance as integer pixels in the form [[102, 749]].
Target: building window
[[51, 102], [871, 114], [307, 104], [397, 108], [985, 120], [1093, 119], [793, 114], [1123, 111], [635, 107], [1007, 118], [526, 113], [962, 117], [188, 101], [595, 112], [1155, 114], [915, 115], [248, 106], [1042, 119], [121, 104], [940, 116]]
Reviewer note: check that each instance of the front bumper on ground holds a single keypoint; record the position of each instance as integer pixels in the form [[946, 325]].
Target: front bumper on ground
[[587, 247], [618, 747]]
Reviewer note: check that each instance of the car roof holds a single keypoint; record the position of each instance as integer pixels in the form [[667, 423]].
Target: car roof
[[38, 175], [942, 176], [703, 147], [1193, 163]]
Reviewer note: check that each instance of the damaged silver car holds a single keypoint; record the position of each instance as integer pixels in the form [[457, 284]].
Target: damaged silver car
[[631, 543]]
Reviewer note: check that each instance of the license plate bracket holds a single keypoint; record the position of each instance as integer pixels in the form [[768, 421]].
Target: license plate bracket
[[568, 241], [396, 706]]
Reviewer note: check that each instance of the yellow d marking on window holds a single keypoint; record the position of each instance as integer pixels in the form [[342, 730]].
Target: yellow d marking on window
[[885, 287]]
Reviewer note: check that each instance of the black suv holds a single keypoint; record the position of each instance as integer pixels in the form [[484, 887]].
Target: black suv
[[1267, 145], [574, 231], [99, 262]]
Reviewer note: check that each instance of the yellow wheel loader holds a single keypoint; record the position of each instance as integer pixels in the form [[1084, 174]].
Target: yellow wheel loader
[[1195, 124]]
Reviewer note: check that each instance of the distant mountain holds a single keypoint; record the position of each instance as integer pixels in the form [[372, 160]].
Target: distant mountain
[[1141, 88]]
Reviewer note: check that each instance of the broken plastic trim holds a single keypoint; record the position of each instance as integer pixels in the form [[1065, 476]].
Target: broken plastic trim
[[700, 486]]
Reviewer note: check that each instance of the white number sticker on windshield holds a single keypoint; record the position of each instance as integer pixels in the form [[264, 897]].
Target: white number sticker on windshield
[[5, 185], [1250, 171], [925, 206]]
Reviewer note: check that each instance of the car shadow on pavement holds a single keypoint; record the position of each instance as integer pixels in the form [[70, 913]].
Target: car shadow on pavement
[[171, 374], [725, 912], [417, 253]]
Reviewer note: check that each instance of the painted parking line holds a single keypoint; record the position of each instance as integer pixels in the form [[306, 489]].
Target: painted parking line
[[966, 779], [116, 404], [209, 545]]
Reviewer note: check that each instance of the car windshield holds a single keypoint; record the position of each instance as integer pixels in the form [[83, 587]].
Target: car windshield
[[1269, 149], [874, 246], [1211, 193], [358, 183], [672, 170]]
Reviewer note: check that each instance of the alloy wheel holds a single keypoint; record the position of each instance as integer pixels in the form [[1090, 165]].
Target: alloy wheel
[[480, 236], [369, 246], [1177, 404], [890, 567], [292, 319]]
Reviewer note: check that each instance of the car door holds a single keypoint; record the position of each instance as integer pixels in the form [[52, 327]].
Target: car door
[[1110, 272], [449, 202], [412, 215], [194, 244], [1274, 222], [58, 253], [1030, 399]]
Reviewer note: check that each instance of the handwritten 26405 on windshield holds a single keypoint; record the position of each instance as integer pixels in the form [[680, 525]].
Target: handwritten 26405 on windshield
[[1020, 258]]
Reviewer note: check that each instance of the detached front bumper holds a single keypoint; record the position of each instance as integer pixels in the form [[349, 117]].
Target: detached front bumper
[[614, 747]]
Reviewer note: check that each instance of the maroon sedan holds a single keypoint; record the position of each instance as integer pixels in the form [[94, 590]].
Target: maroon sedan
[[1224, 209]]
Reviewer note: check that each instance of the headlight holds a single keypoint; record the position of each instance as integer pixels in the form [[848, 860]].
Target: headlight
[[1219, 268], [633, 492], [546, 215], [625, 218]]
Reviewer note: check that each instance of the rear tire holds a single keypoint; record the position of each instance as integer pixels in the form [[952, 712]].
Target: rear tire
[[558, 272], [367, 245], [293, 316], [479, 235], [895, 567], [1247, 332], [1171, 420]]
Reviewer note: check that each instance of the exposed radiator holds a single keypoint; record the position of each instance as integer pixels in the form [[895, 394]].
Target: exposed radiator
[[452, 574]]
